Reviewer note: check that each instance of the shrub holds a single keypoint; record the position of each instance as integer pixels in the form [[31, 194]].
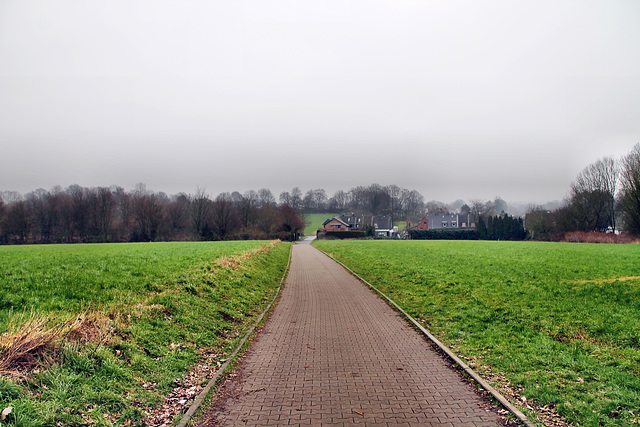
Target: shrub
[[344, 234], [596, 237]]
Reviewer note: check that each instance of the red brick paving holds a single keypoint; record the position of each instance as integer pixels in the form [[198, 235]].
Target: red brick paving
[[333, 353]]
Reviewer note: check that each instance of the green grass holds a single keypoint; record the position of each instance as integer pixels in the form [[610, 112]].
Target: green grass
[[314, 221], [155, 309], [560, 321]]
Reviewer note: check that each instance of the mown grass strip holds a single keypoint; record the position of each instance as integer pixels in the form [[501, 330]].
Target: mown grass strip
[[195, 406], [552, 323], [148, 311], [466, 368], [314, 221]]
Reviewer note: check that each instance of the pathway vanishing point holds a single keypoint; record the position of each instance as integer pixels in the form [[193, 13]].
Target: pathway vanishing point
[[333, 353]]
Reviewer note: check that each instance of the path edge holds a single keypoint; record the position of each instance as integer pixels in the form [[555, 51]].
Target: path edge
[[186, 418], [484, 384]]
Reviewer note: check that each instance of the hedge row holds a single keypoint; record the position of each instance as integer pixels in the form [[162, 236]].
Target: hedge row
[[440, 234], [344, 234]]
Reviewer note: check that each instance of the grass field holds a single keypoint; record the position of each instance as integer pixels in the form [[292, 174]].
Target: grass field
[[314, 221], [119, 323], [556, 326]]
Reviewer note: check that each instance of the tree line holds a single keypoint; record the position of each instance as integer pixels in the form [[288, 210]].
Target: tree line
[[604, 197], [111, 214], [78, 214]]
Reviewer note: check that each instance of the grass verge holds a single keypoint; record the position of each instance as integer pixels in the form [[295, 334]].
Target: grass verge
[[122, 323], [555, 325], [314, 221]]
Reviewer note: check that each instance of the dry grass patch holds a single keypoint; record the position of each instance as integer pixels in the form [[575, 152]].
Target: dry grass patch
[[233, 262], [33, 339]]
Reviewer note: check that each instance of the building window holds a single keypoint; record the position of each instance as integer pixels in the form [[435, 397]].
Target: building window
[[444, 224], [454, 224]]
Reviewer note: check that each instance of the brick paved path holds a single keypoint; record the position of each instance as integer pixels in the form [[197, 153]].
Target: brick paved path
[[332, 353]]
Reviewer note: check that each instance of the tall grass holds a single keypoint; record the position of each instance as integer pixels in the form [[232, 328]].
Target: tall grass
[[98, 334], [556, 324]]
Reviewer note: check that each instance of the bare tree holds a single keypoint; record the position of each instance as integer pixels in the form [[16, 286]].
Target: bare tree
[[296, 199], [266, 197], [248, 209], [395, 201], [19, 221], [482, 209], [593, 195], [103, 208], [200, 213], [339, 202], [147, 214], [224, 215], [79, 210], [178, 214], [630, 191], [3, 213], [412, 203], [285, 199]]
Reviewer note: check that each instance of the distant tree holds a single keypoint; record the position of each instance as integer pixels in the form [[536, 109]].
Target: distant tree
[[593, 196], [456, 205], [434, 206], [412, 204], [339, 202], [18, 221], [395, 201], [501, 227], [124, 214], [630, 191], [296, 199], [147, 214], [44, 210], [268, 221], [309, 201], [500, 206], [225, 216], [291, 223], [248, 209], [482, 209], [237, 199], [79, 211], [103, 209], [358, 199], [266, 197], [178, 214], [200, 214], [284, 198], [3, 213], [377, 199], [481, 226]]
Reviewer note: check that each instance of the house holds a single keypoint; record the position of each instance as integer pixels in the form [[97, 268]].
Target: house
[[335, 224], [383, 225], [440, 221]]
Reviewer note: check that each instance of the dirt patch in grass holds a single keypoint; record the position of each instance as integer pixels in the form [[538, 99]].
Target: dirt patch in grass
[[603, 281]]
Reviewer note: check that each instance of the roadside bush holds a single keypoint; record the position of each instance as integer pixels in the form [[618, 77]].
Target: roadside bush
[[596, 237], [344, 234]]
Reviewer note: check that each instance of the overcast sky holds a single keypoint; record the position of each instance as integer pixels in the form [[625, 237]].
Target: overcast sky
[[457, 99]]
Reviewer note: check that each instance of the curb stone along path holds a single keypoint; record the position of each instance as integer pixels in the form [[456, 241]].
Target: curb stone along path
[[333, 353]]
